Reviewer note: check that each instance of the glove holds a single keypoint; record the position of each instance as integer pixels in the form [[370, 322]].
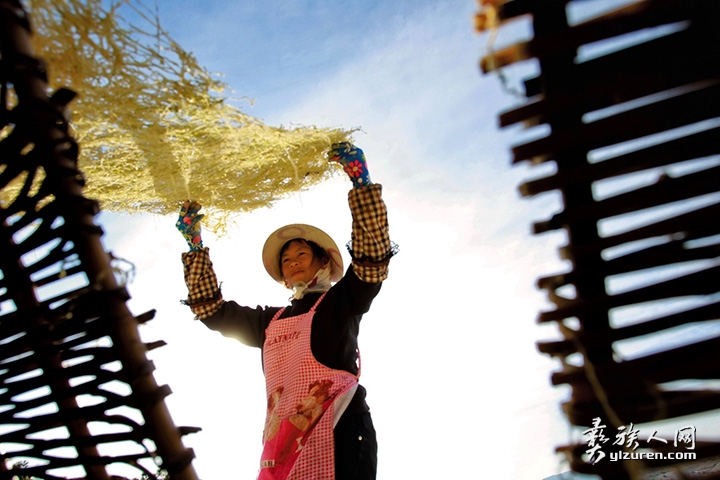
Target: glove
[[188, 224], [353, 161]]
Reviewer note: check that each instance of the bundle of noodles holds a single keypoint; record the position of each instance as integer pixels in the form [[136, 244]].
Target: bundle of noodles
[[155, 128]]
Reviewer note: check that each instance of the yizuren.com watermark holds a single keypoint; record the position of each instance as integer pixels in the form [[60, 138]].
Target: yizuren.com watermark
[[629, 438], [615, 456]]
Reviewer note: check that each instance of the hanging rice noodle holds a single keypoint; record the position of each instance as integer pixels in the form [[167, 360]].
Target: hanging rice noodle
[[155, 128]]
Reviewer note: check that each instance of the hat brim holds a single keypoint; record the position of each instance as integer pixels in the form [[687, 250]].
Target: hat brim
[[276, 240]]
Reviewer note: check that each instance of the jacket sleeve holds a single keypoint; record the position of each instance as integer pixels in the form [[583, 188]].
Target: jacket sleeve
[[204, 294], [337, 322], [242, 323], [370, 246], [205, 300]]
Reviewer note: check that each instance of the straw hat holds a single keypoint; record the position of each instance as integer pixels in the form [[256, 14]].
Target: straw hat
[[276, 240]]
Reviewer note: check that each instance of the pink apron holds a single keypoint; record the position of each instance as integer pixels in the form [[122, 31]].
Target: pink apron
[[298, 442]]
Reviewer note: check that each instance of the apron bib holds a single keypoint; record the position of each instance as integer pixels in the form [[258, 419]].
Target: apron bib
[[298, 441]]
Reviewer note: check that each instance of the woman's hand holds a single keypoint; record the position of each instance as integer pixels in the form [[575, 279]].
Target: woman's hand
[[353, 161], [188, 224]]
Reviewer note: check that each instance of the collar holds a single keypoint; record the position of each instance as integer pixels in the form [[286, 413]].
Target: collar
[[320, 283]]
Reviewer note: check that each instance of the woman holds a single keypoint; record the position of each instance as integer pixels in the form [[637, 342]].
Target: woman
[[318, 425]]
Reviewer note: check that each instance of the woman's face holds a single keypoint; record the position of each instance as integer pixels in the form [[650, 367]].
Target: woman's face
[[298, 263]]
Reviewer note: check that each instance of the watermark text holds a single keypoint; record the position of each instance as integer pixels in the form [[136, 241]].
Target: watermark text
[[629, 438], [615, 456]]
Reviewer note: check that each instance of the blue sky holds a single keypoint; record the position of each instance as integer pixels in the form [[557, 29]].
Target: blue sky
[[455, 383]]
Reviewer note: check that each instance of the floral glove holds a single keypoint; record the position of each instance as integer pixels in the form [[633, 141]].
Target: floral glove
[[353, 161], [188, 224]]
